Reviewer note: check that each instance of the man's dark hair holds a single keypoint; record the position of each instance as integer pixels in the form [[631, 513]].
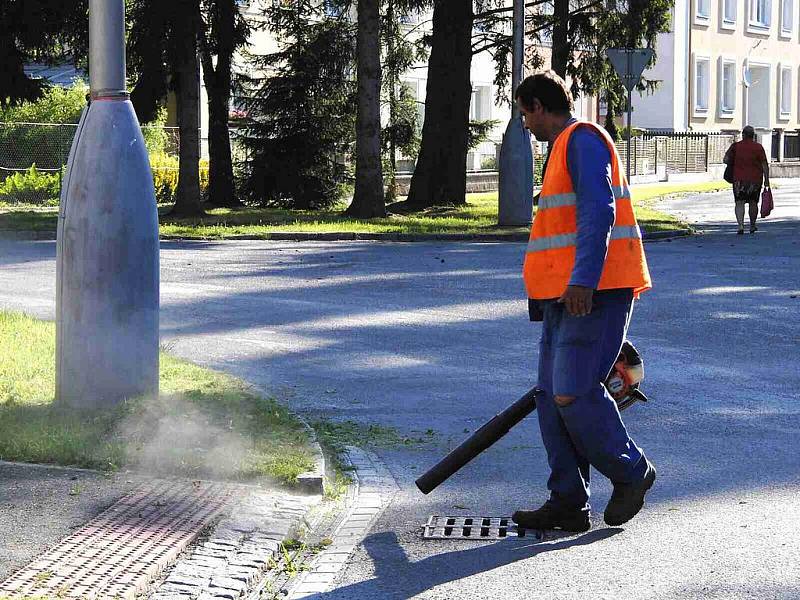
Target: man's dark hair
[[549, 89], [748, 132]]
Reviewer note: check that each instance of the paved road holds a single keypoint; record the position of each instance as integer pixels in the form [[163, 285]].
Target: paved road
[[423, 336]]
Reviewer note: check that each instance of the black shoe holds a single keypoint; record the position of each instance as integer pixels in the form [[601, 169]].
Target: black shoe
[[627, 499], [753, 229], [740, 232], [552, 516]]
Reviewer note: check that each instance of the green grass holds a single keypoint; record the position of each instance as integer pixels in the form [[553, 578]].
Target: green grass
[[335, 435], [479, 216], [204, 423]]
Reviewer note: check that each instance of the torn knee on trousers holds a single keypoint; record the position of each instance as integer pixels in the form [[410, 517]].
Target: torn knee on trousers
[[564, 400]]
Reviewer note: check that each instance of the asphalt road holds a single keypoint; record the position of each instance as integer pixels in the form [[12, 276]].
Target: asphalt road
[[435, 336]]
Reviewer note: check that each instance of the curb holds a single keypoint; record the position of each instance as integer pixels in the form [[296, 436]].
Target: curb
[[372, 490], [345, 236], [313, 481]]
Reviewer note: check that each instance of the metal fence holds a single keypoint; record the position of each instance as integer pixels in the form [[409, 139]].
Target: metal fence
[[675, 152], [46, 147], [33, 158]]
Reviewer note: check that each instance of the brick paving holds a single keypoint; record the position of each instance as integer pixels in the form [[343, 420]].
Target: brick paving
[[116, 554]]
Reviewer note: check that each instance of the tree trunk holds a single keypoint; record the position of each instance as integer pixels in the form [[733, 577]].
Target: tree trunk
[[221, 183], [187, 82], [560, 57], [440, 177], [368, 200], [391, 188]]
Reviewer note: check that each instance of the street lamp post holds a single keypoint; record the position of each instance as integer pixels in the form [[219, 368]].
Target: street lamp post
[[515, 198], [107, 277]]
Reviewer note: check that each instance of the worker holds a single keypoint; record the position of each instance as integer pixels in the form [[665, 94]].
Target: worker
[[584, 266]]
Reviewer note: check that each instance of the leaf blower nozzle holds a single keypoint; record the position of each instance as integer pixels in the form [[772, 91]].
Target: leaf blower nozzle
[[622, 383]]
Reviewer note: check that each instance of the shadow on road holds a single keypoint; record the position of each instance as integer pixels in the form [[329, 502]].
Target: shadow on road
[[397, 577]]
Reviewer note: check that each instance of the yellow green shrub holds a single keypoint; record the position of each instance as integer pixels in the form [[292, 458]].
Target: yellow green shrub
[[165, 176]]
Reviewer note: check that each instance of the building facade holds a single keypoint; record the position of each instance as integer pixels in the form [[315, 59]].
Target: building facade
[[726, 64]]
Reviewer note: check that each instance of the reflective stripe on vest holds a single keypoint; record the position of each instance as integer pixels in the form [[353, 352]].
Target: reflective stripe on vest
[[570, 198], [567, 240], [551, 251]]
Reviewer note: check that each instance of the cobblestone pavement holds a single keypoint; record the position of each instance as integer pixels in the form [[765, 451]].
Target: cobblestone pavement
[[240, 548]]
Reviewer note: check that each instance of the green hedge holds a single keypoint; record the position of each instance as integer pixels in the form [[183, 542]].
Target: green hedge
[[31, 187]]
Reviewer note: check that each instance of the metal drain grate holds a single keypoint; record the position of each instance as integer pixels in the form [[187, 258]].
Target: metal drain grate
[[475, 528]]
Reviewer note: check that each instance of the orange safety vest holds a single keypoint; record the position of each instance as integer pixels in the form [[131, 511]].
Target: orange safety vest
[[550, 257]]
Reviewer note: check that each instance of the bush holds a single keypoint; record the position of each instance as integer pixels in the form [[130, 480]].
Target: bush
[[47, 143], [489, 162], [165, 176], [31, 187], [57, 105]]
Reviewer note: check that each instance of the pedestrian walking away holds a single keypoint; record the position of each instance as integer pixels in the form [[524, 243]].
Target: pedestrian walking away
[[750, 171], [584, 267]]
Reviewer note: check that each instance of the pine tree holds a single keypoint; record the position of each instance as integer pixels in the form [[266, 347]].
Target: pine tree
[[368, 200], [301, 110], [224, 31]]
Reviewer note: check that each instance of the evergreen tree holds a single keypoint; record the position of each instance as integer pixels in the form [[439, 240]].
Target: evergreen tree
[[368, 200], [300, 110], [440, 176], [402, 48], [224, 31], [164, 56], [37, 31]]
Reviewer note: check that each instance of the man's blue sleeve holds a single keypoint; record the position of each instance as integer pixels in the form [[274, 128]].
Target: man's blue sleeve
[[589, 162]]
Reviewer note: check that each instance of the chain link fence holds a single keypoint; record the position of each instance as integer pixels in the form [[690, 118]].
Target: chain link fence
[[33, 159]]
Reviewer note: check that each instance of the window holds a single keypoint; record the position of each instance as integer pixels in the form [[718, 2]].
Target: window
[[728, 13], [787, 17], [785, 93], [701, 14], [480, 108], [760, 17], [410, 18], [727, 87], [701, 84], [332, 8]]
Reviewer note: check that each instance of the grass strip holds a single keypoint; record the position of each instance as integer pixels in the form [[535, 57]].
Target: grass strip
[[478, 216], [204, 424]]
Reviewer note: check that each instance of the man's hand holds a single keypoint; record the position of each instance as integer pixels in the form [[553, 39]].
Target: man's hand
[[578, 300]]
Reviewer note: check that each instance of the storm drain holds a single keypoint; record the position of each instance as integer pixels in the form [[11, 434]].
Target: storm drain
[[476, 528]]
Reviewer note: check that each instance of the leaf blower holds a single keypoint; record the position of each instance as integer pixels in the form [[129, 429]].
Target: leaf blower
[[622, 384]]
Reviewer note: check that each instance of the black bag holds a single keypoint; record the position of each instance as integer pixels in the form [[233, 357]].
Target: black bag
[[728, 175]]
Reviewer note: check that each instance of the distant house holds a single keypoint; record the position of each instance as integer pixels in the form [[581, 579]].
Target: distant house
[[725, 64], [62, 75]]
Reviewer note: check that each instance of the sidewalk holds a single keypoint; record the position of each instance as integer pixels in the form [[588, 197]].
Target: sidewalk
[[40, 506], [77, 534]]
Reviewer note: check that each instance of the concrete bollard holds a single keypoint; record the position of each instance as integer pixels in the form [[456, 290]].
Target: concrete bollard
[[107, 288]]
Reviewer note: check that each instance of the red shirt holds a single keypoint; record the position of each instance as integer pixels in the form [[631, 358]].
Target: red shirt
[[747, 164]]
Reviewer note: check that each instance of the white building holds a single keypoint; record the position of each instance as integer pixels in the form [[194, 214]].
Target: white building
[[725, 64]]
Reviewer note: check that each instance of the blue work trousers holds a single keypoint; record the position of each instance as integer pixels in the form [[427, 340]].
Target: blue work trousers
[[576, 354]]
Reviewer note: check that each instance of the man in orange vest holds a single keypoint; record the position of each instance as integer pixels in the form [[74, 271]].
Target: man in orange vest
[[584, 266]]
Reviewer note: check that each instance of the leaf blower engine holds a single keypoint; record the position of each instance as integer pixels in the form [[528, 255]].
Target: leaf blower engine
[[625, 376]]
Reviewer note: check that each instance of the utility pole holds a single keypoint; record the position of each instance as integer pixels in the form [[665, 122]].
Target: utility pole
[[107, 275], [515, 206]]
